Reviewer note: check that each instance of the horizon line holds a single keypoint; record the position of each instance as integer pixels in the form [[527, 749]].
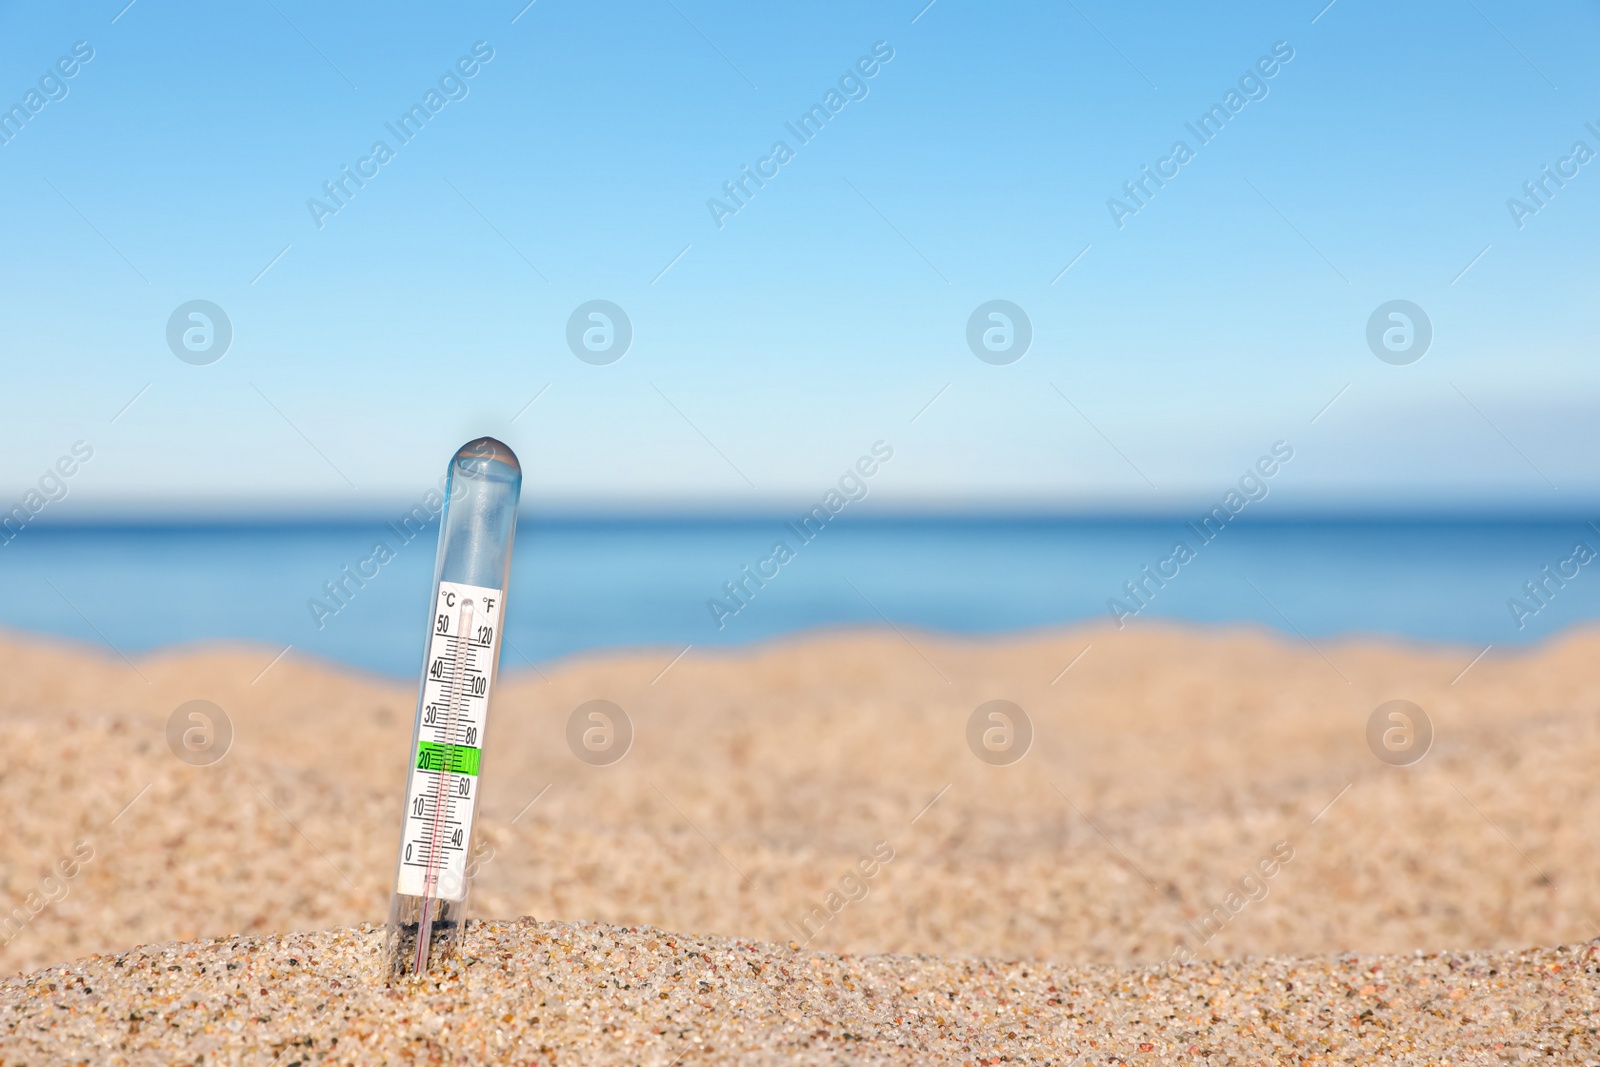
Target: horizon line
[[1330, 514]]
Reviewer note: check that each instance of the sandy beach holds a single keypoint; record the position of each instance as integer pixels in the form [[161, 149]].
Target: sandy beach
[[1188, 795], [533, 992]]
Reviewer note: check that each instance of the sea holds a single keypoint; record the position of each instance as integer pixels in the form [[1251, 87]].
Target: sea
[[580, 584]]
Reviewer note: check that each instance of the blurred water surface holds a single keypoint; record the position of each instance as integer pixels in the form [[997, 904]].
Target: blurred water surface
[[580, 584]]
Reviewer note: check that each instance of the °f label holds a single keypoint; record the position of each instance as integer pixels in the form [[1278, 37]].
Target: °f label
[[463, 649]]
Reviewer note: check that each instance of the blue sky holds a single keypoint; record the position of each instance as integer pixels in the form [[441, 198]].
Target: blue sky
[[769, 353]]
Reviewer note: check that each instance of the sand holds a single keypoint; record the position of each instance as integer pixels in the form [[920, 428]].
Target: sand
[[1170, 769], [530, 992]]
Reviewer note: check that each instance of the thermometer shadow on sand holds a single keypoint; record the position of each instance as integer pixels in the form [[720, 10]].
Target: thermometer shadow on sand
[[470, 574]]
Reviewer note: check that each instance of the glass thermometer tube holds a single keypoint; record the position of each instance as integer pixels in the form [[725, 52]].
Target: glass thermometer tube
[[433, 873]]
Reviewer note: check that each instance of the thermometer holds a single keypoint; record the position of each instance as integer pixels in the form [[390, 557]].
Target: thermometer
[[458, 674]]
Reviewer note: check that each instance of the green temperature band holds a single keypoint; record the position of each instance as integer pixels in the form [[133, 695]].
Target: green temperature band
[[457, 759]]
